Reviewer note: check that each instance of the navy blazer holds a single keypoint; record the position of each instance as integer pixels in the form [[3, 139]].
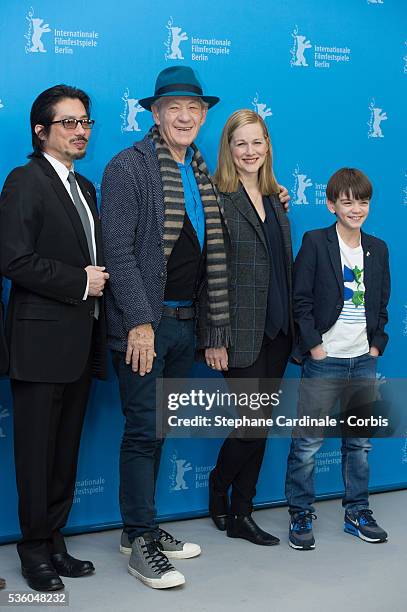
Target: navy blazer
[[318, 287]]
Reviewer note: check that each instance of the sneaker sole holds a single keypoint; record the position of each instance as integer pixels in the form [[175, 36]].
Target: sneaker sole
[[182, 554], [158, 583], [296, 547], [170, 554], [355, 532]]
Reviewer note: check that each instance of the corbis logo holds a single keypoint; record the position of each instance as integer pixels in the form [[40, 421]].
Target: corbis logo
[[322, 56], [376, 117], [129, 116], [261, 108], [302, 183], [179, 468], [175, 37], [4, 413], [36, 29]]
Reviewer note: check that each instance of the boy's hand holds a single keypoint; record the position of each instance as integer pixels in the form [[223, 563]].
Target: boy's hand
[[374, 352], [318, 353]]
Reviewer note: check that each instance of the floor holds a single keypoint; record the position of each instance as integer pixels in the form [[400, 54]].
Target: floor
[[341, 574]]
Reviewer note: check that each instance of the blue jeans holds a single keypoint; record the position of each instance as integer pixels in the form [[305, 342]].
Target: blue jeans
[[333, 379], [140, 450]]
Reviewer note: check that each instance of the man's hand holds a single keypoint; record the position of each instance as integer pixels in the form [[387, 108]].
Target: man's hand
[[374, 352], [284, 197], [140, 348], [318, 353], [217, 358], [96, 280]]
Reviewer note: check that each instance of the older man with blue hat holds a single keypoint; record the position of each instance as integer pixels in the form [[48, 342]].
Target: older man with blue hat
[[163, 238]]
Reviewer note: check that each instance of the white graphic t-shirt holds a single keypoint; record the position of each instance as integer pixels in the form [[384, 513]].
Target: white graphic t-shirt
[[348, 337]]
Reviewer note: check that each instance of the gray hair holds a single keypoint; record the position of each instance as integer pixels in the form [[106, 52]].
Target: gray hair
[[157, 103]]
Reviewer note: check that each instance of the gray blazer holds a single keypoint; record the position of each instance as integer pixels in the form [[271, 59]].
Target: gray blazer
[[249, 274]]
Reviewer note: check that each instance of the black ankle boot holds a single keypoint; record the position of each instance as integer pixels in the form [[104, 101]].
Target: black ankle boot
[[218, 505], [243, 526]]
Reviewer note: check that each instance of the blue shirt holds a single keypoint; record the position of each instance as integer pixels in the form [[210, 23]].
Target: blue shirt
[[193, 207]]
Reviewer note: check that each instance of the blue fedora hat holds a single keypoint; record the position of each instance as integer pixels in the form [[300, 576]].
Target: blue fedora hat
[[177, 81]]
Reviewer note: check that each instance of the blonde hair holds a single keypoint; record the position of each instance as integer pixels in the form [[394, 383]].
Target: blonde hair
[[226, 177]]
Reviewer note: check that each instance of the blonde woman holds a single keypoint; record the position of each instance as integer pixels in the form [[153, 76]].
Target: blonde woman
[[260, 264]]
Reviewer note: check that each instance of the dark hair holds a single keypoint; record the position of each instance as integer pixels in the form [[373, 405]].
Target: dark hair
[[351, 183], [43, 110]]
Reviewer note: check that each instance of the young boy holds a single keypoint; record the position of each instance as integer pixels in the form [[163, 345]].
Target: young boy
[[341, 291]]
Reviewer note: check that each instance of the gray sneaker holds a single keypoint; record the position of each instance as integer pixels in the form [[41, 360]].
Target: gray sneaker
[[151, 566], [172, 548]]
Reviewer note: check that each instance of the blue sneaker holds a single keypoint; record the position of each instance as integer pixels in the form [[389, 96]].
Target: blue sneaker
[[300, 534], [362, 524]]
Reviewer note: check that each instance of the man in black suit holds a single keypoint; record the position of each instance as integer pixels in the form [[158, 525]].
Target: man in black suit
[[50, 246]]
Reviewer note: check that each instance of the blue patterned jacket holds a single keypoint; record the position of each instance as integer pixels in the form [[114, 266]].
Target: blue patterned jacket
[[132, 214]]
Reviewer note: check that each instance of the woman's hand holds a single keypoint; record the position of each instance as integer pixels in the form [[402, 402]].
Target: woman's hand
[[217, 358]]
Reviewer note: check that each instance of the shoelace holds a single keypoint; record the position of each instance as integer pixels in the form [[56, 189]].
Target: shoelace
[[367, 518], [155, 558], [302, 522], [164, 535]]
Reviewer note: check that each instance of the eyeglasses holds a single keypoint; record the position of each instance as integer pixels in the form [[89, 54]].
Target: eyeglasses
[[72, 124]]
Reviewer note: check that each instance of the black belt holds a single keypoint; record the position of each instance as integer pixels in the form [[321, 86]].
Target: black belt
[[182, 313]]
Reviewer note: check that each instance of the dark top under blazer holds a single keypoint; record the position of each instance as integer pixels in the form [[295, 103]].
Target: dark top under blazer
[[44, 252], [318, 287], [249, 274]]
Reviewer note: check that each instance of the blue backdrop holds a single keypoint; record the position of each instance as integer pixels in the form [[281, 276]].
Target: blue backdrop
[[330, 79]]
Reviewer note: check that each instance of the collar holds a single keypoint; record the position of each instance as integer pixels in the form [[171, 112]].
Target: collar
[[189, 153], [59, 167]]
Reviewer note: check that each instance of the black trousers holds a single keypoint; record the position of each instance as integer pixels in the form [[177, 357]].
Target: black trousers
[[241, 456], [48, 419]]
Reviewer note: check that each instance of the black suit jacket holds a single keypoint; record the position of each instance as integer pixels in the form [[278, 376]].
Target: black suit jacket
[[318, 287], [3, 345], [43, 250]]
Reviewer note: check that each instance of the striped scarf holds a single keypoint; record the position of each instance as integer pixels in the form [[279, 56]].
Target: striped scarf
[[218, 324]]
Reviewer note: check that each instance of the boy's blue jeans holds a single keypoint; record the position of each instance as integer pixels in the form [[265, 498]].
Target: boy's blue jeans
[[334, 378]]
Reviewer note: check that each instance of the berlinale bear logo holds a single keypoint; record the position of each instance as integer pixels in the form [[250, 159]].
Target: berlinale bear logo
[[36, 28], [175, 37]]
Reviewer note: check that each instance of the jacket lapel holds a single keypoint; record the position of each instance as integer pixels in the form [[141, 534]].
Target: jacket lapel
[[245, 207], [67, 203], [368, 261], [334, 254]]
